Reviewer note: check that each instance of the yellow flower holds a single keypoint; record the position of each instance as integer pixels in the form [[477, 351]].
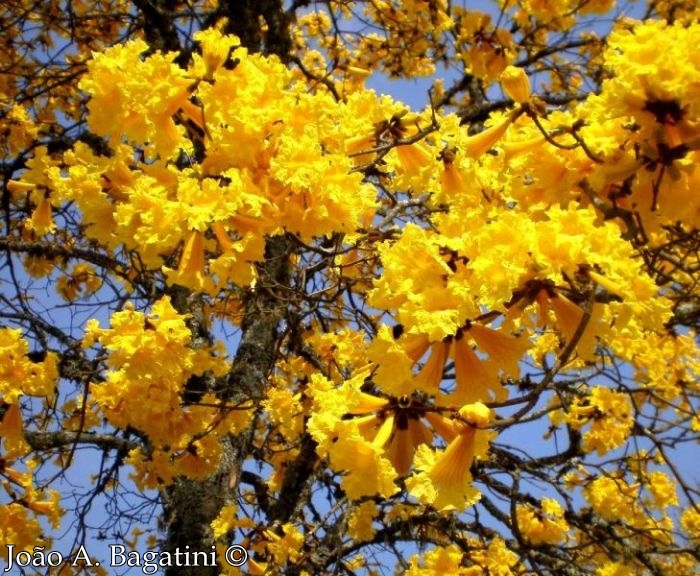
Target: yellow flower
[[285, 409], [477, 379], [452, 182], [394, 359], [504, 350], [476, 414], [437, 562], [22, 128], [82, 279], [497, 559], [690, 520], [430, 376], [514, 148], [569, 317], [414, 156], [368, 472], [615, 569], [400, 434], [18, 374], [11, 433], [477, 145], [135, 97], [20, 187], [444, 479], [613, 499], [41, 220], [474, 380], [191, 273], [216, 49], [287, 547], [515, 84], [612, 422], [150, 361], [49, 508]]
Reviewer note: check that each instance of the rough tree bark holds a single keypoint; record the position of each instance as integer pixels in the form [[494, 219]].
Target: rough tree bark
[[190, 506]]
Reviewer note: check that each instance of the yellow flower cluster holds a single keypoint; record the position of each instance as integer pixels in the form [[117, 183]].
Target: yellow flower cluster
[[150, 362], [413, 38], [480, 260], [623, 507], [360, 521], [383, 438], [492, 560], [609, 414], [81, 281], [206, 161], [20, 129], [21, 522], [484, 48], [615, 500], [544, 525], [469, 255], [18, 374], [21, 519], [123, 105], [484, 259], [644, 122]]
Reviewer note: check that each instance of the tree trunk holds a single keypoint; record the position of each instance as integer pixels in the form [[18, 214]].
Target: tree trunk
[[190, 506]]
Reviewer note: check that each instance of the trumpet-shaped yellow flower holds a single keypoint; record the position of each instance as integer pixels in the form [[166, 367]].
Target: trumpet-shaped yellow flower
[[12, 433], [216, 49], [367, 471], [477, 145], [41, 221], [429, 378], [504, 351], [444, 478], [409, 434], [191, 272]]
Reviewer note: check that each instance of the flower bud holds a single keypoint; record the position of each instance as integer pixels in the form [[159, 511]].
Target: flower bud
[[516, 84], [477, 414]]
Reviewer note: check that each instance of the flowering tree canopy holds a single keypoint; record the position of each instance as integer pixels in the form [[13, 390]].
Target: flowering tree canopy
[[263, 304]]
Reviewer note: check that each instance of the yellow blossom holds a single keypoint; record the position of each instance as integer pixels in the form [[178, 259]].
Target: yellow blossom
[[216, 48], [663, 490], [225, 521], [443, 479], [542, 526], [191, 271], [515, 84], [478, 144], [360, 521], [42, 219]]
